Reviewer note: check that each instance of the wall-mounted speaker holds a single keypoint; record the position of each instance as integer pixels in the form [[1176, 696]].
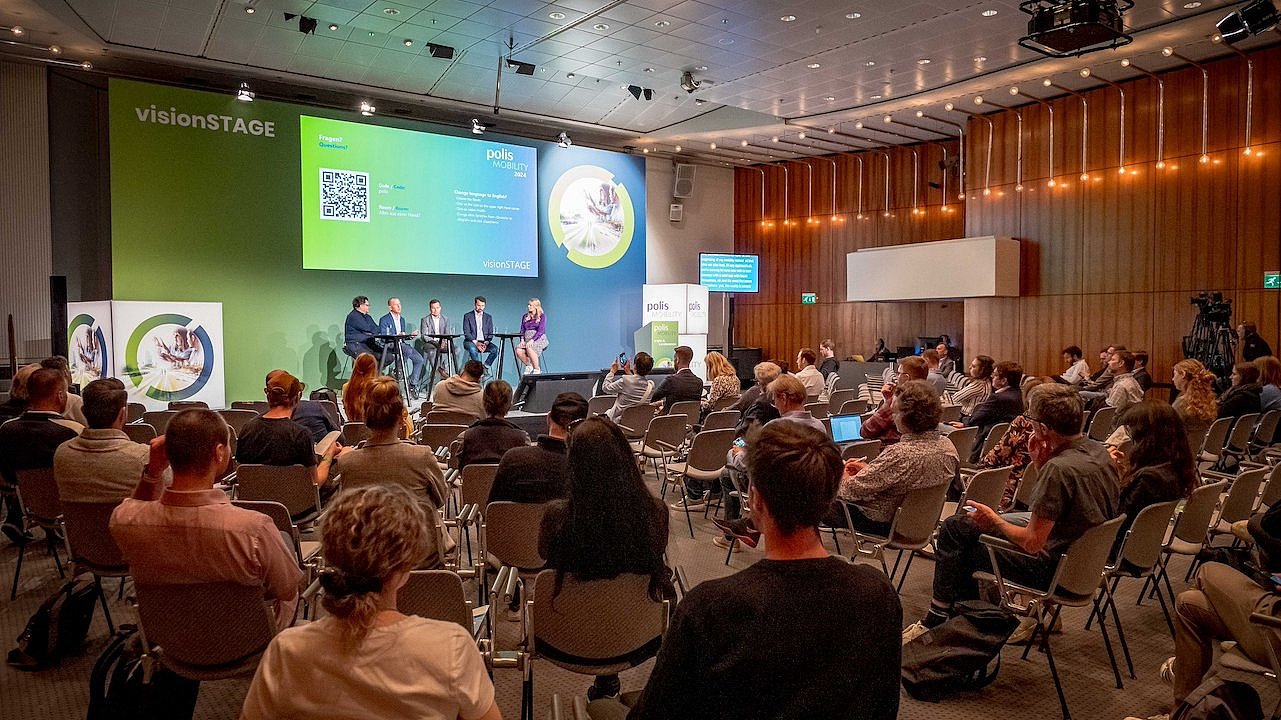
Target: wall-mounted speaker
[[683, 186], [676, 212]]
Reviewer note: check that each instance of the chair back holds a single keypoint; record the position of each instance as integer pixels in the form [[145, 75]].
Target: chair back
[[1216, 436], [994, 436], [206, 631], [819, 410], [635, 420], [354, 433], [721, 419], [987, 487], [600, 404], [916, 518], [1101, 423], [331, 411], [1266, 429], [237, 418], [951, 413], [511, 533], [293, 486], [866, 450], [1272, 490], [837, 399], [596, 627], [855, 406], [478, 480], [437, 595], [1027, 484], [425, 408], [438, 435], [707, 452], [665, 433], [39, 495], [257, 406], [1142, 545], [689, 409], [89, 540], [1080, 568], [140, 433], [188, 404], [1242, 431], [136, 409], [963, 440], [159, 419], [450, 417], [726, 402], [279, 515], [1194, 521], [1239, 504]]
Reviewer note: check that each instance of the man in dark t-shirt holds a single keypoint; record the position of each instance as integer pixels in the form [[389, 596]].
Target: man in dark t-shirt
[[540, 472], [274, 438], [798, 634]]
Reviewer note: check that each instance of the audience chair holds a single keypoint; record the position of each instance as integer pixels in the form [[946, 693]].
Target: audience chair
[[449, 417], [1027, 484], [354, 433], [1191, 527], [853, 406], [875, 383], [206, 631], [818, 409], [1237, 445], [865, 450], [91, 548], [1264, 433], [994, 436], [963, 440], [1138, 556], [425, 408], [663, 437], [837, 399], [237, 418], [159, 419], [600, 404], [951, 413], [188, 405], [1101, 423], [293, 486], [591, 627], [911, 529], [473, 495], [37, 495], [985, 488], [689, 409], [725, 403], [1238, 504], [1271, 489], [511, 545], [257, 406], [1212, 444], [140, 433], [1076, 578], [436, 595], [439, 435], [705, 461], [633, 421], [136, 410], [305, 551], [721, 419]]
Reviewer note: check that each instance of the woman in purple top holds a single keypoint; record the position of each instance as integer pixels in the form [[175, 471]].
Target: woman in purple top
[[533, 336]]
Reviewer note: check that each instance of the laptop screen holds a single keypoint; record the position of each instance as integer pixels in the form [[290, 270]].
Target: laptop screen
[[845, 428]]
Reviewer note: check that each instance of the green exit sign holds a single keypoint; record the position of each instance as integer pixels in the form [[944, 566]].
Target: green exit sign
[[809, 298], [1272, 280]]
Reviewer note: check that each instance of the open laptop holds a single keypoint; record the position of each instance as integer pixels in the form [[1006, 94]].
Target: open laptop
[[845, 428]]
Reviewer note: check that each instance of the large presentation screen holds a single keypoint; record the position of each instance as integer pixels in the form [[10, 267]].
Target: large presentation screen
[[729, 273], [380, 198]]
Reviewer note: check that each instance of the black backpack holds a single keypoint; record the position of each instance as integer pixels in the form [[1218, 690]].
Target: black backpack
[[58, 627], [961, 654], [121, 688], [1220, 699]]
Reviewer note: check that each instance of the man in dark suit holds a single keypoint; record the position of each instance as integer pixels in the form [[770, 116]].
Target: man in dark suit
[[478, 334], [436, 323], [1140, 373], [359, 329], [28, 441], [681, 385], [393, 323], [1002, 406]]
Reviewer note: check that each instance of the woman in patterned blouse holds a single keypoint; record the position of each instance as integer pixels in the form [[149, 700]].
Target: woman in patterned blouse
[[724, 380]]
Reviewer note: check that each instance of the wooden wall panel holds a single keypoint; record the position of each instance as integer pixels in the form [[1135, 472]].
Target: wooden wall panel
[[1258, 217], [1117, 225], [1196, 224], [1047, 324], [1051, 222], [992, 327]]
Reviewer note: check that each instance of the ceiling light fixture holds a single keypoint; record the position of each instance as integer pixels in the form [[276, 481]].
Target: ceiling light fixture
[[830, 98], [557, 15], [648, 70], [1191, 5], [813, 66], [712, 146], [870, 63], [1160, 110], [788, 18], [923, 61], [249, 10], [1257, 16], [677, 148], [244, 94], [55, 50], [409, 43], [688, 83], [980, 58], [853, 16], [476, 127], [18, 30], [367, 109], [661, 23], [600, 26], [333, 27], [86, 65], [563, 141], [988, 13]]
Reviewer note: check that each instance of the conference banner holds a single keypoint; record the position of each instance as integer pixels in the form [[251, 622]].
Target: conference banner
[[168, 351], [89, 348]]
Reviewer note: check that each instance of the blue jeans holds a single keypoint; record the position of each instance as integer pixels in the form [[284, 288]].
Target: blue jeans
[[490, 355]]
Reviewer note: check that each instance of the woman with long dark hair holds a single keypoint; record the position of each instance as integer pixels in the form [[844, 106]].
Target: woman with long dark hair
[[1158, 466], [611, 523]]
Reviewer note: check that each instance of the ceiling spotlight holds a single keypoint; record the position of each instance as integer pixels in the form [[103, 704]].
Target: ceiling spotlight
[[86, 65], [949, 107], [1191, 5], [409, 43], [645, 151], [18, 30], [366, 109], [444, 52], [1085, 72], [570, 76], [249, 10], [742, 143], [788, 18], [1125, 62], [55, 50], [1014, 90], [978, 99], [988, 13], [476, 127], [874, 97], [980, 58], [831, 131], [648, 69], [562, 141], [1167, 51], [1047, 82], [801, 135], [774, 139], [830, 98], [870, 63], [1256, 17], [521, 68], [853, 16], [333, 27], [923, 61], [244, 94], [887, 119], [600, 26], [688, 83], [813, 66], [712, 146], [858, 125], [661, 23], [556, 15], [677, 148]]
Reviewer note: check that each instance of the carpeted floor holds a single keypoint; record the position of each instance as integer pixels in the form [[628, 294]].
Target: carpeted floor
[[1023, 689]]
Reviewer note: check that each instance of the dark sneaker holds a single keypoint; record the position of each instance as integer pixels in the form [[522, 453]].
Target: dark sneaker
[[741, 529]]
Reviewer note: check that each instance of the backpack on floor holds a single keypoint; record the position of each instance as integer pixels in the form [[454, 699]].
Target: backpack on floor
[[122, 687], [1219, 699], [963, 653], [58, 627]]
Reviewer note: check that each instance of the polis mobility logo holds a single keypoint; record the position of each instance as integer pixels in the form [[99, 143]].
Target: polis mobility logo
[[591, 217], [178, 359]]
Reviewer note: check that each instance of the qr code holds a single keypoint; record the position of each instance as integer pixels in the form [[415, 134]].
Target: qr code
[[344, 195]]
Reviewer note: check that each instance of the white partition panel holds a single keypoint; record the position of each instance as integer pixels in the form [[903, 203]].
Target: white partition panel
[[946, 269]]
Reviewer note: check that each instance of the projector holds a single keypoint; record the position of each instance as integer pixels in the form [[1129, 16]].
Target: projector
[[1063, 28]]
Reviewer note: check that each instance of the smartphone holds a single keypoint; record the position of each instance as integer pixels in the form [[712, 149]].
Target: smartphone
[[622, 358], [740, 442]]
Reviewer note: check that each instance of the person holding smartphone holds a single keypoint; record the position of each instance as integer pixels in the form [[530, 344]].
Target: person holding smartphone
[[628, 381]]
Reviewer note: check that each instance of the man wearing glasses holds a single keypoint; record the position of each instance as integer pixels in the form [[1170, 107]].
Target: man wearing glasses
[[1077, 489]]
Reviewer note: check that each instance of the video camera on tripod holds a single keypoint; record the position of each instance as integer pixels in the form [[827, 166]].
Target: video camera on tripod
[[1212, 340], [1213, 306]]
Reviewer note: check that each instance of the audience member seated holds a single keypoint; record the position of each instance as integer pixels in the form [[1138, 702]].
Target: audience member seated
[[787, 396], [680, 386], [28, 441], [724, 381], [1078, 370], [1158, 465], [765, 373], [1076, 490], [1141, 375], [921, 458], [632, 387], [977, 387], [490, 437], [1196, 404], [364, 658], [273, 438], [314, 418], [1253, 346], [1012, 450], [1002, 406], [1270, 378], [1123, 391], [17, 402], [828, 363], [363, 371], [933, 376], [880, 424], [799, 634], [809, 375], [607, 499], [359, 329], [74, 409], [1102, 379], [539, 473], [190, 532], [1245, 394], [102, 465], [947, 365], [461, 392]]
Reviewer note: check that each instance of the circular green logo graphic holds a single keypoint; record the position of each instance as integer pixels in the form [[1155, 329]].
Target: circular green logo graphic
[[169, 359], [591, 216], [87, 350]]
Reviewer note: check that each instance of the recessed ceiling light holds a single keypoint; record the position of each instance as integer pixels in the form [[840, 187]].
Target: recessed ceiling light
[[988, 13], [556, 15], [701, 67], [742, 143], [980, 58], [923, 61], [390, 11], [677, 148], [249, 10], [600, 26], [813, 66], [373, 34], [661, 23], [788, 18], [853, 16], [699, 101], [55, 50], [649, 69], [409, 43], [725, 41], [333, 26], [831, 98], [1191, 5], [874, 97], [870, 63], [570, 76]]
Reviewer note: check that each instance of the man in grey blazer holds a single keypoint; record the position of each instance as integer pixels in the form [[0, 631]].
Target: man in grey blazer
[[436, 324]]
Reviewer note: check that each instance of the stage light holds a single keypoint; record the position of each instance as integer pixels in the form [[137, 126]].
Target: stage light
[[635, 90], [476, 127], [55, 50], [688, 83], [443, 52], [521, 68], [244, 94], [1255, 17], [564, 140], [17, 30], [367, 109]]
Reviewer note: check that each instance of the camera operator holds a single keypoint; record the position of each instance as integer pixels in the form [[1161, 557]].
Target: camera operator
[[1252, 346]]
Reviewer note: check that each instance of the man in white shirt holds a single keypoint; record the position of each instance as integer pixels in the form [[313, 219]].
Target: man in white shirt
[[933, 376], [809, 375], [1078, 370], [393, 323], [631, 387]]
